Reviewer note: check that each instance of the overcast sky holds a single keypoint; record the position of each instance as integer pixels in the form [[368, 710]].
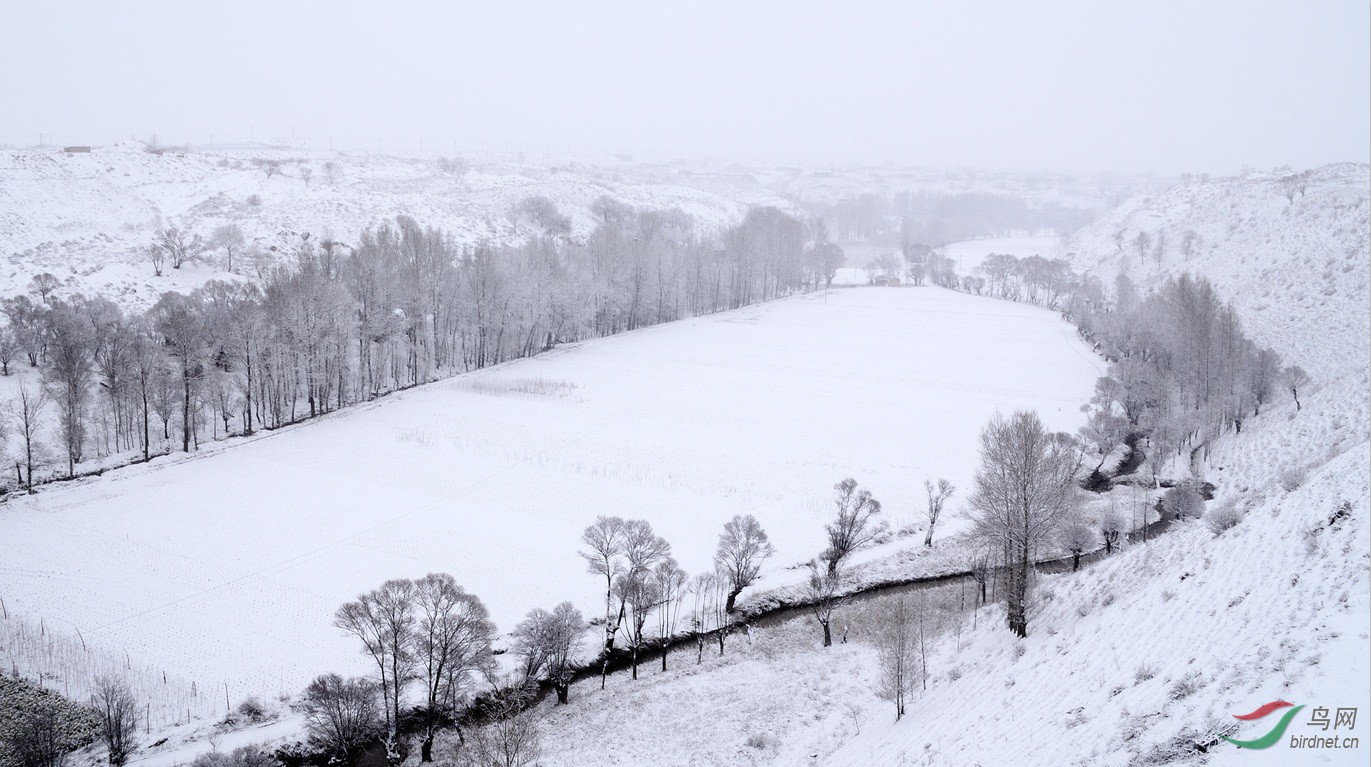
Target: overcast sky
[[1156, 85]]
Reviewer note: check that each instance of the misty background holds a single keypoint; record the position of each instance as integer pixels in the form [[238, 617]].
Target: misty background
[[1159, 86]]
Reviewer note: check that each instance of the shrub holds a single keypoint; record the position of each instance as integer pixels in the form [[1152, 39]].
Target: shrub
[[1183, 501], [255, 200], [1293, 478], [760, 741], [1143, 673], [1223, 517], [1184, 687], [252, 709]]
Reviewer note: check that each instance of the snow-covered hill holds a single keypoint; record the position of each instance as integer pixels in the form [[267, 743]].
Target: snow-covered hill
[[83, 217], [1297, 270]]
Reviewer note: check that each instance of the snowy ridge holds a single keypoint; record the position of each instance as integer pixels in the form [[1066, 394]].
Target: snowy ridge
[[1297, 271], [83, 217]]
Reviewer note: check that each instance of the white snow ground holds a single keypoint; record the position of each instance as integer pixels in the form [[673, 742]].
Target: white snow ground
[[227, 567]]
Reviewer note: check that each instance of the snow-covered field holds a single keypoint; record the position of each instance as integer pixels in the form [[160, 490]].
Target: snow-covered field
[[227, 567]]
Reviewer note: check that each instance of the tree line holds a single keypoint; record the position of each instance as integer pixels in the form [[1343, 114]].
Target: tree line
[[330, 324]]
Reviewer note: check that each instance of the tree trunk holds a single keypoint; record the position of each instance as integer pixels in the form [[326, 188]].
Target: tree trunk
[[563, 693], [828, 634], [185, 411], [1075, 561], [732, 598]]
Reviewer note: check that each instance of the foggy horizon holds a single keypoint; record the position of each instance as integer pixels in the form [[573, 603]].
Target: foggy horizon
[[1165, 88]]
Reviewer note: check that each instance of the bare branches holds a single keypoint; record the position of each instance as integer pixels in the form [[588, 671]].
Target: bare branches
[[855, 525], [937, 497], [743, 547]]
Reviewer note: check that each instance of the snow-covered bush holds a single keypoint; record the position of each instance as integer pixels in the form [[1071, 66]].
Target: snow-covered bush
[[247, 756], [1143, 673], [1183, 501], [1293, 478], [1223, 517], [1185, 686], [252, 709]]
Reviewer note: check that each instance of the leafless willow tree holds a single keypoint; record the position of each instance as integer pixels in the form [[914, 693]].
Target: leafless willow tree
[[511, 739], [855, 525], [1025, 490], [937, 497], [603, 553], [546, 644], [824, 594], [340, 714], [1295, 379], [179, 246], [902, 635], [743, 547], [672, 585], [27, 415], [117, 710], [384, 621], [451, 647]]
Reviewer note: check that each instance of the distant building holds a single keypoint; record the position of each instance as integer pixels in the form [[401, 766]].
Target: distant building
[[76, 149]]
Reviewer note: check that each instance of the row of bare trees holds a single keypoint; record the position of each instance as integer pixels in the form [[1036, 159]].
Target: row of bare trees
[[332, 324]]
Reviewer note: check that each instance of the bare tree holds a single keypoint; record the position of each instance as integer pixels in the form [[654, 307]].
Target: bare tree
[[743, 547], [384, 621], [1290, 186], [451, 645], [179, 246], [117, 711], [824, 596], [28, 414], [672, 584], [69, 374], [332, 172], [1295, 379], [1025, 489], [897, 639], [937, 497], [230, 239], [156, 256], [1078, 536], [340, 714], [512, 738], [603, 553], [1111, 525], [180, 321], [855, 525], [306, 173], [9, 348], [44, 284], [547, 644]]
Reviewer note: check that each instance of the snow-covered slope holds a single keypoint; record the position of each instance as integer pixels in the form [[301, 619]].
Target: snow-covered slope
[[1144, 657], [83, 217], [1296, 270]]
